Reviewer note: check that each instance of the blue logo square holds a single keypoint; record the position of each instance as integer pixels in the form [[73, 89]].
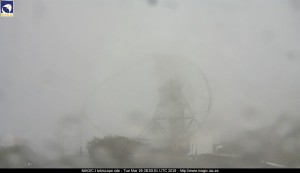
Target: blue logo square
[[7, 7]]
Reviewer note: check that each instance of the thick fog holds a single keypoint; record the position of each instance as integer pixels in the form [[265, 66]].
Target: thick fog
[[74, 70]]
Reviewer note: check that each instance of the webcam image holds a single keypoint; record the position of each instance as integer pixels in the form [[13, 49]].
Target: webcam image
[[149, 85]]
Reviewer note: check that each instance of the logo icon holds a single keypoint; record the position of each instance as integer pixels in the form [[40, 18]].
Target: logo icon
[[7, 8]]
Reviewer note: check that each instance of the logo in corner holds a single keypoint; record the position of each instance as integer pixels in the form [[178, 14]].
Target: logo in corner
[[7, 8]]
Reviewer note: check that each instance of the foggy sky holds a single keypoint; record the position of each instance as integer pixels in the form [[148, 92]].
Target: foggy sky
[[55, 53]]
